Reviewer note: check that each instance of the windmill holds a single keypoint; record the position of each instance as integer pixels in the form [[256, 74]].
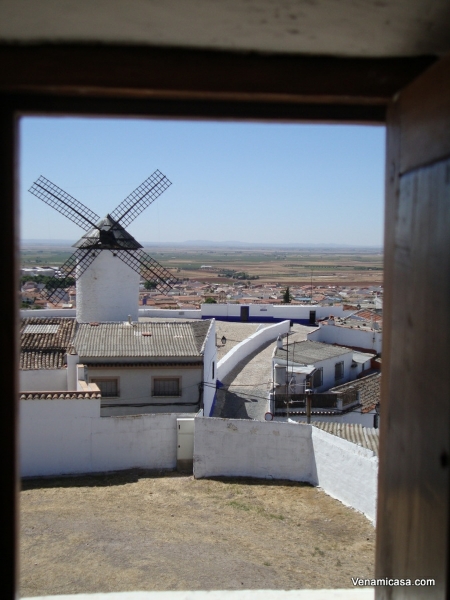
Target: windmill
[[107, 288]]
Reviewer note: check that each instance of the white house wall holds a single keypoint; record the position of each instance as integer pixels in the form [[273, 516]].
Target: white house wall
[[210, 369], [345, 336], [328, 366], [69, 436], [135, 386], [43, 380]]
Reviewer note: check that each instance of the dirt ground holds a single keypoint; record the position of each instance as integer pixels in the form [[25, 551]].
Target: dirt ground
[[164, 531]]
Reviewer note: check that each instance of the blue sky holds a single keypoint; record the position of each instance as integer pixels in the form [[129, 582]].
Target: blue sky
[[248, 182]]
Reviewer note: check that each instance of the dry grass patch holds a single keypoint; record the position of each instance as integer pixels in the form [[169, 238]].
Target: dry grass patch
[[141, 531]]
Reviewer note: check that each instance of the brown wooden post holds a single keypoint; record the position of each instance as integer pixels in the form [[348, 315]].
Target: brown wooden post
[[413, 500]]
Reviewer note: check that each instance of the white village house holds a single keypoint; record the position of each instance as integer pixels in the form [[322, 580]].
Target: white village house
[[138, 367]]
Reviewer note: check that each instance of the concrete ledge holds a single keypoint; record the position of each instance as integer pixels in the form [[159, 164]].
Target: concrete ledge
[[352, 594]]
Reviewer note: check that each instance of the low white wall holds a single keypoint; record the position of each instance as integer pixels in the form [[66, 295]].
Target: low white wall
[[69, 436], [160, 313], [244, 448], [42, 380], [249, 345], [295, 311], [344, 336], [345, 471]]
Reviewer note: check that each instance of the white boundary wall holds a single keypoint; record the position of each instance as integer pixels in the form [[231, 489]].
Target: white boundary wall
[[249, 345], [345, 336], [245, 448], [274, 450], [170, 313], [346, 471], [69, 436]]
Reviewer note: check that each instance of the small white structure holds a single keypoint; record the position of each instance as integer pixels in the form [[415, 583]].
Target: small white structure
[[311, 365], [354, 331]]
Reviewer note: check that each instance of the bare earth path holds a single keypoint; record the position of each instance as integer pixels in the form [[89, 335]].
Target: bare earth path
[[142, 531]]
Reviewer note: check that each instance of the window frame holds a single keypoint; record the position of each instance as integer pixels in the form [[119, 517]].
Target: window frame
[[158, 378], [316, 372], [339, 366], [105, 379]]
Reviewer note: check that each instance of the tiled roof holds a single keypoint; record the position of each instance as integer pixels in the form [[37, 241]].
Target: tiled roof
[[363, 436], [368, 388], [368, 315], [44, 342], [60, 395], [141, 339], [309, 352]]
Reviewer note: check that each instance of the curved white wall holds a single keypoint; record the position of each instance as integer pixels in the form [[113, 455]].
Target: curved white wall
[[107, 291]]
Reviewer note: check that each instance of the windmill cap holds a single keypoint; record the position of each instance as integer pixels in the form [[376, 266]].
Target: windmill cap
[[108, 234]]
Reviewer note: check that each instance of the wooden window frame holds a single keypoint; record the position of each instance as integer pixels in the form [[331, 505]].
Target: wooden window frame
[[116, 80]]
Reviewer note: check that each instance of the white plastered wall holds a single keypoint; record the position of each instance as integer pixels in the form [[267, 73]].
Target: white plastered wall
[[69, 436], [135, 387], [210, 368], [275, 450], [345, 336], [107, 291], [43, 380]]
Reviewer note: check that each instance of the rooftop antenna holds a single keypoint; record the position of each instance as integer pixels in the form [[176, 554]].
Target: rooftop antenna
[[107, 234]]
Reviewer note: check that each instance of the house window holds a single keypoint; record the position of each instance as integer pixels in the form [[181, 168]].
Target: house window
[[109, 387], [338, 371], [166, 386], [318, 378]]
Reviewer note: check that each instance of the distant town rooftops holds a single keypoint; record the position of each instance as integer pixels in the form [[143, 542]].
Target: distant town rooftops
[[309, 352], [45, 341], [153, 339]]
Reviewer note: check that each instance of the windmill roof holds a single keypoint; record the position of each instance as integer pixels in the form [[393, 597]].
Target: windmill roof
[[44, 342], [155, 339], [108, 234]]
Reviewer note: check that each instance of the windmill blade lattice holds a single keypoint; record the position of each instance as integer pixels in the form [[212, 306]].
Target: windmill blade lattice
[[73, 268], [64, 203], [148, 267], [140, 198]]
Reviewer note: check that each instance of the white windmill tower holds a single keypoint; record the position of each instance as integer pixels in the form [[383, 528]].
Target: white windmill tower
[[108, 261]]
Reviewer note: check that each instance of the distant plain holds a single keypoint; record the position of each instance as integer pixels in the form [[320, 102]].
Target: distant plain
[[294, 267]]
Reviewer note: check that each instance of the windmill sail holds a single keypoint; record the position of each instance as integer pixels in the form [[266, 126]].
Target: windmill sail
[[149, 268], [104, 234], [71, 270], [140, 198], [64, 203]]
